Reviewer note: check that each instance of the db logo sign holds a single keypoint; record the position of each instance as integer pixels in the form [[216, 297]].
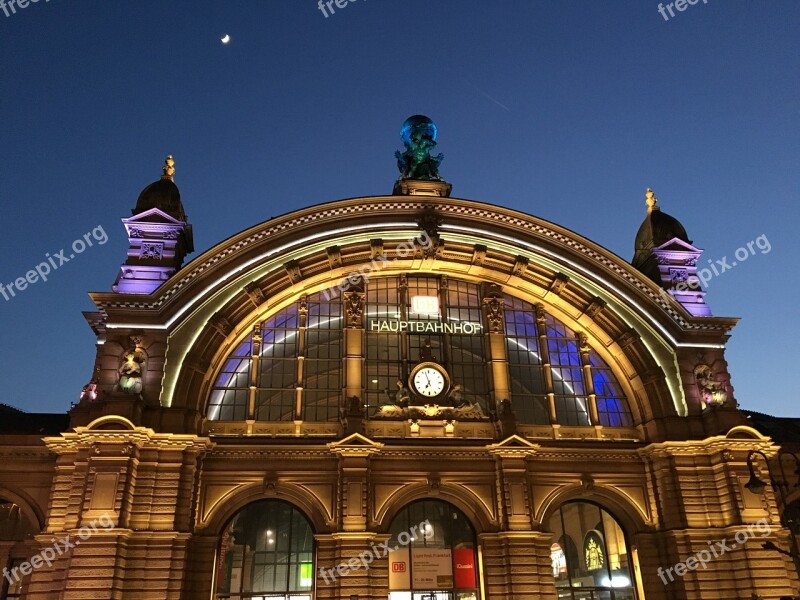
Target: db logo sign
[[399, 567]]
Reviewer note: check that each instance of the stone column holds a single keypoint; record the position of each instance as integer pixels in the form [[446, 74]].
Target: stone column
[[516, 564], [495, 333], [354, 342]]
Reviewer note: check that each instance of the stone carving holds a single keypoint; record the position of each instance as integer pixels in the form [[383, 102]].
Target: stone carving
[[419, 138], [478, 254], [560, 281], [540, 313], [292, 269], [595, 306], [169, 167], [255, 293], [494, 313], [504, 410], [354, 308], [678, 275], [89, 392], [456, 397], [426, 352], [454, 407], [583, 343], [712, 392], [152, 250], [400, 397], [130, 373], [520, 265]]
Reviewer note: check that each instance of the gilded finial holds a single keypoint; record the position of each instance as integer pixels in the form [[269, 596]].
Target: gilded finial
[[651, 200], [169, 167]]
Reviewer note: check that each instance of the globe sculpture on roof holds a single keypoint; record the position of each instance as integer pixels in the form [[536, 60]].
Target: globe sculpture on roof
[[419, 138]]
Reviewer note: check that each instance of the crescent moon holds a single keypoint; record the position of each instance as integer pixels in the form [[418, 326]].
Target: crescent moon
[[226, 39]]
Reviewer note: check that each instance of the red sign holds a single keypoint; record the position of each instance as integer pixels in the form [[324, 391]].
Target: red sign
[[398, 567], [464, 568]]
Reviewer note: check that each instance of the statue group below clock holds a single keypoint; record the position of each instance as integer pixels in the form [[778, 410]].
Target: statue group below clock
[[429, 395]]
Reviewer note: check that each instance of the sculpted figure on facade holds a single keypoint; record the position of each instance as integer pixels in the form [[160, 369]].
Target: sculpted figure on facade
[[419, 138], [130, 373]]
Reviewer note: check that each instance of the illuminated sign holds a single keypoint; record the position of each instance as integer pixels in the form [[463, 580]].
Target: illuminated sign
[[464, 568], [593, 551], [425, 305], [432, 569], [456, 327], [399, 575]]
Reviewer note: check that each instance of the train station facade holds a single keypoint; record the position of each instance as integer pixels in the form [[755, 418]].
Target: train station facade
[[412, 397]]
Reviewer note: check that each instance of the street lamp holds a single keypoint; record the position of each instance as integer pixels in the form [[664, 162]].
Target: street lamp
[[782, 486], [755, 485]]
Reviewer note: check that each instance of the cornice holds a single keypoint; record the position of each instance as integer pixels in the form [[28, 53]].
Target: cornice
[[493, 220]]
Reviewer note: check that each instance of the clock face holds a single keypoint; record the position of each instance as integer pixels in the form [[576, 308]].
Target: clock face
[[429, 382]]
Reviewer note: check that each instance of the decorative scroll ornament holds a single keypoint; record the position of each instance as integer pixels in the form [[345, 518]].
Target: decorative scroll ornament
[[712, 392], [354, 309]]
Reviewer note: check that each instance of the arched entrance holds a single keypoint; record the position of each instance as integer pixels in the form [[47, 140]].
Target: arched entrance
[[435, 556], [590, 556], [266, 551]]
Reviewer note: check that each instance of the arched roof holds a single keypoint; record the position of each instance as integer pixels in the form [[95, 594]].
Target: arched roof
[[269, 265]]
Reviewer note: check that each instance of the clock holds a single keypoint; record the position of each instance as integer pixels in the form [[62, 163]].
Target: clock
[[429, 380]]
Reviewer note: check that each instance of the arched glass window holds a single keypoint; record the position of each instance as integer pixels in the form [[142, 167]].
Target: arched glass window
[[590, 557], [266, 551], [270, 364], [435, 556], [15, 526], [531, 344], [423, 299], [264, 379]]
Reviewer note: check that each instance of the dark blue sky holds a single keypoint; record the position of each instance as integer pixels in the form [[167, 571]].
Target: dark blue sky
[[565, 110]]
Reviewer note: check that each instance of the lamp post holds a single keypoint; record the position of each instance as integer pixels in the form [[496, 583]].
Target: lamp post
[[782, 487]]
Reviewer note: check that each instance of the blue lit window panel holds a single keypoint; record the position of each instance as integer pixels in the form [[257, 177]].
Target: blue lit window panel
[[322, 366], [572, 403], [526, 373], [613, 409], [277, 378], [230, 394]]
